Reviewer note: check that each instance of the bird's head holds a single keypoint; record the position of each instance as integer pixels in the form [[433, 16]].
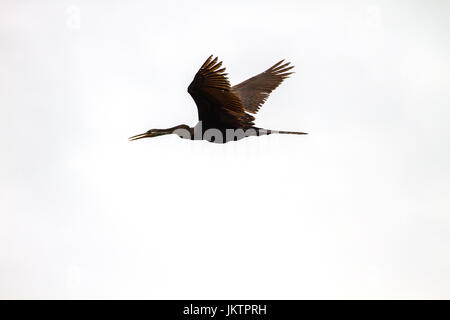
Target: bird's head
[[181, 130], [149, 134]]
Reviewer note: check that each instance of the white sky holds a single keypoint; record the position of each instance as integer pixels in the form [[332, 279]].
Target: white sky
[[357, 209]]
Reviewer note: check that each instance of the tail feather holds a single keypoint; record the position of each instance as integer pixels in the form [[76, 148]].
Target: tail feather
[[268, 131], [288, 132]]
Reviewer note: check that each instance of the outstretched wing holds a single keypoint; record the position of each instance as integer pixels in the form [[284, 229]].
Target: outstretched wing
[[218, 107], [255, 91]]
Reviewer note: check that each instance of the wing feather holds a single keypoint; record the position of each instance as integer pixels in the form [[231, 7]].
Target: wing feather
[[255, 91], [218, 106]]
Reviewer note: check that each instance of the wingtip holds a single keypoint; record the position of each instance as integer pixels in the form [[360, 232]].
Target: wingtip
[[206, 62], [211, 62], [280, 65], [277, 64]]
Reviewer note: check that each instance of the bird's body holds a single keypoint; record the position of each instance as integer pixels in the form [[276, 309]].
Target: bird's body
[[224, 112]]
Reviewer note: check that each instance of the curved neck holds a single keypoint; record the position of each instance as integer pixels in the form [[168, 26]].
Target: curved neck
[[182, 130]]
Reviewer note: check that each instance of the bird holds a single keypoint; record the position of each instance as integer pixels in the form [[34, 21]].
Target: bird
[[225, 112]]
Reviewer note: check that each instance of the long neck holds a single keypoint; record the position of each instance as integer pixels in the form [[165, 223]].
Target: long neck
[[173, 129], [182, 130]]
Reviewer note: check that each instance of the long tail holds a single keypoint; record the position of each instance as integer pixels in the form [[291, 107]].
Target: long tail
[[287, 132], [262, 132]]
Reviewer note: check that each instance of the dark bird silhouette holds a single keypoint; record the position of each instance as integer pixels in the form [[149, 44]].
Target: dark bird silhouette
[[224, 112]]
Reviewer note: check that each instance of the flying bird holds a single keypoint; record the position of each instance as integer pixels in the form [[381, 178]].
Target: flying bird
[[225, 112]]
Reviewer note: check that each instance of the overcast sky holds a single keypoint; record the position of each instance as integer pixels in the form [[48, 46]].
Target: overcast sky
[[359, 208]]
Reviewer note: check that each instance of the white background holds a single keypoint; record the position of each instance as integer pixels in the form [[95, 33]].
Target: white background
[[357, 209]]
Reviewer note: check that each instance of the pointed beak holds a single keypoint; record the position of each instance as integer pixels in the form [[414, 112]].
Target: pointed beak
[[149, 134], [140, 136]]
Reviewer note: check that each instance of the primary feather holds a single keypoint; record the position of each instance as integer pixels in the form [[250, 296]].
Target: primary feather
[[255, 91]]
